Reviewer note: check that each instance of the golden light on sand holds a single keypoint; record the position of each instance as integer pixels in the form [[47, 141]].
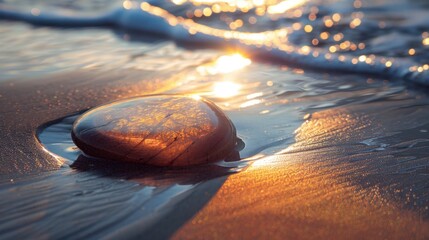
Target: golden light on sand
[[226, 89]]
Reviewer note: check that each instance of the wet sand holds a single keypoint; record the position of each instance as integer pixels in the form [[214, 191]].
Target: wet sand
[[38, 189], [26, 104], [354, 171], [332, 184]]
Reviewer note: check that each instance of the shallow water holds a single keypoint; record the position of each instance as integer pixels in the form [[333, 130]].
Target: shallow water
[[281, 103]]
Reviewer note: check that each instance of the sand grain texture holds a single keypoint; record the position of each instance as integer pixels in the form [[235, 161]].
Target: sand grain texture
[[27, 104]]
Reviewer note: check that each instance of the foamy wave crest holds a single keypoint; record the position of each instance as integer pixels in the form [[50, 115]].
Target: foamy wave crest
[[273, 44]]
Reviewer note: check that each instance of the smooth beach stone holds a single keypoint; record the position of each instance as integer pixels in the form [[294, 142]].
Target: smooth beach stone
[[157, 130]]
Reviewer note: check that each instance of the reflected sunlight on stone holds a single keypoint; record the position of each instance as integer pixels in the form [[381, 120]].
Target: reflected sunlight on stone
[[157, 130]]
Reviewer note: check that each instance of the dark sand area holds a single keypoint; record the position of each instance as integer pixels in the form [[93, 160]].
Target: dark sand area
[[27, 104]]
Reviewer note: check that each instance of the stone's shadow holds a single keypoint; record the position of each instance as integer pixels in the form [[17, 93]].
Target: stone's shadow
[[205, 180], [152, 175]]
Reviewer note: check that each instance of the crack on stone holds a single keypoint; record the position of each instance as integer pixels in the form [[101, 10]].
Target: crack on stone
[[162, 121]]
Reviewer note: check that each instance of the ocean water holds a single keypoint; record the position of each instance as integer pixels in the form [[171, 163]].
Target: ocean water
[[270, 65], [386, 39]]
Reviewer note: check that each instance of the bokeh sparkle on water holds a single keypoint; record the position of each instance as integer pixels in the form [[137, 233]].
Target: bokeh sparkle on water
[[389, 38]]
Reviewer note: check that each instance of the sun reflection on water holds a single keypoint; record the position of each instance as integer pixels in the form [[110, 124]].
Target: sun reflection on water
[[231, 63], [225, 64], [284, 6], [260, 6], [328, 41], [219, 79], [226, 89]]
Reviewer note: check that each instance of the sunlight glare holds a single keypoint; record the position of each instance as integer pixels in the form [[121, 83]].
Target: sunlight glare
[[225, 89], [284, 6], [231, 63], [225, 64]]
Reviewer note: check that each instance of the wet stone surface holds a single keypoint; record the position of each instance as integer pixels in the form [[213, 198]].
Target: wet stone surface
[[157, 130]]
